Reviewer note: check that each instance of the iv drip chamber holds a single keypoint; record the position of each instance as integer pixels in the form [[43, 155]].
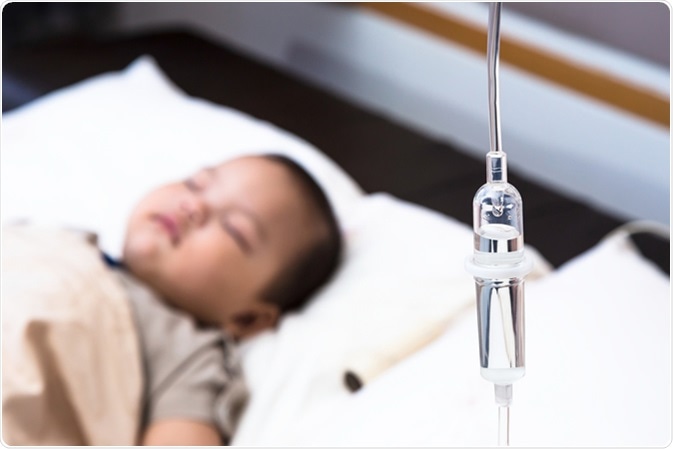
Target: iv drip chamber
[[499, 266], [497, 217]]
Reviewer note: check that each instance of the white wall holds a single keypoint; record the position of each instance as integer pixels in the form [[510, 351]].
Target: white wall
[[555, 136]]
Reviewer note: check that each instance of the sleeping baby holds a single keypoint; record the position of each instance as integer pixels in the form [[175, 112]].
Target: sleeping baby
[[227, 250], [206, 262]]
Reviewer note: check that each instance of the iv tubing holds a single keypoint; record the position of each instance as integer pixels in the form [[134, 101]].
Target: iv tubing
[[492, 55], [497, 171], [503, 426]]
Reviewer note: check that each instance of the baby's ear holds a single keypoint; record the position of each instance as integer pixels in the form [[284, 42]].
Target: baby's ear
[[260, 317]]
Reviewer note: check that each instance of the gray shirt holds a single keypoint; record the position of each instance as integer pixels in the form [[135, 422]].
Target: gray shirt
[[190, 372]]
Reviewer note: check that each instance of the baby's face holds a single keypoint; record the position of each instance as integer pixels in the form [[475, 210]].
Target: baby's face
[[211, 244]]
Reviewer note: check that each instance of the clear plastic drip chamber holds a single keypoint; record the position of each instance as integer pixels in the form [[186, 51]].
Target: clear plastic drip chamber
[[499, 266], [497, 217]]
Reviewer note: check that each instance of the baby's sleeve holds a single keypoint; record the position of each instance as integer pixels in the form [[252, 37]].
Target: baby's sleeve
[[205, 387], [190, 373]]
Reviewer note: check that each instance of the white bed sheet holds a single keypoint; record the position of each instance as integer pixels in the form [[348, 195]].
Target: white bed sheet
[[401, 284], [598, 372]]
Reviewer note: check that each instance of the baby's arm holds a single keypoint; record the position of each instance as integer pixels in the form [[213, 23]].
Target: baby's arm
[[181, 432]]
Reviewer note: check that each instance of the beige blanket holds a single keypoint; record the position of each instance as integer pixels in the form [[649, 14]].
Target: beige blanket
[[71, 371]]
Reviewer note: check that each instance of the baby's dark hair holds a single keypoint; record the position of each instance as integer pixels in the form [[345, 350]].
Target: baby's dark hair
[[313, 267]]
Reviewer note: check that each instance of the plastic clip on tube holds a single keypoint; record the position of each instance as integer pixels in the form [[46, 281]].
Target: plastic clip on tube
[[499, 263]]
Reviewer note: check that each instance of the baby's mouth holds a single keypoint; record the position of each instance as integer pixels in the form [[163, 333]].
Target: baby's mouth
[[170, 226]]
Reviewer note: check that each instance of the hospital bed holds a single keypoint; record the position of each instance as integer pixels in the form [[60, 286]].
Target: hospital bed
[[385, 354]]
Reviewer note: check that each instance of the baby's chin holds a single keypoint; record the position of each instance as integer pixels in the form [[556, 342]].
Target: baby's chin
[[144, 257], [141, 254]]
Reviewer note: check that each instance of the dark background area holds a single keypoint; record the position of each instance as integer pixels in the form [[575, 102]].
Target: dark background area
[[604, 22], [25, 23]]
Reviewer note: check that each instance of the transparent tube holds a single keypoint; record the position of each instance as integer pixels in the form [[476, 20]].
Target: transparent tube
[[503, 426], [492, 56]]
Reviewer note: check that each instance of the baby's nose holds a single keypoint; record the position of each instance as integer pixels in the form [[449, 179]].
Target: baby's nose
[[194, 210]]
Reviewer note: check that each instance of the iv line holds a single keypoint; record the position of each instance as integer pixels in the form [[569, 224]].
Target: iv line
[[497, 171], [499, 263], [503, 426], [492, 54]]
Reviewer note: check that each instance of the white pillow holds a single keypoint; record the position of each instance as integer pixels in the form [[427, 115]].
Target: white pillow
[[83, 155]]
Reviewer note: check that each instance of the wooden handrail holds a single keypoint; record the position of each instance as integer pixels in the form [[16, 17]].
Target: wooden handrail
[[594, 83]]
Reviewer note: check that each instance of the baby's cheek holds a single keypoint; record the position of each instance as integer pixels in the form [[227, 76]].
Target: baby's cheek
[[207, 260]]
